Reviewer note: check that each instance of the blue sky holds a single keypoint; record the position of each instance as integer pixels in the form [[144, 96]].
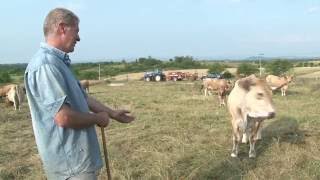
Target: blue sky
[[119, 29]]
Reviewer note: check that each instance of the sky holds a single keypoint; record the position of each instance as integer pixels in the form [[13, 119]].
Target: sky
[[129, 29]]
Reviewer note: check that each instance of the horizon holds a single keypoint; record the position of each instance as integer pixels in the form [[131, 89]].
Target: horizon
[[248, 59], [230, 29]]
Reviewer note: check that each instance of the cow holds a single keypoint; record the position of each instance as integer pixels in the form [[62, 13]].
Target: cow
[[85, 85], [249, 103], [5, 89], [276, 82], [219, 85], [15, 95]]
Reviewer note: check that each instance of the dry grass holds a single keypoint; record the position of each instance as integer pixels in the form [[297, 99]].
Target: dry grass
[[179, 134]]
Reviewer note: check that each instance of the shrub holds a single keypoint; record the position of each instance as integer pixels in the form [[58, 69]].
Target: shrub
[[247, 69], [5, 77], [216, 68], [278, 67]]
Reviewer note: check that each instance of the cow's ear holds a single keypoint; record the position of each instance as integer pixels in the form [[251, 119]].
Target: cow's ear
[[246, 83]]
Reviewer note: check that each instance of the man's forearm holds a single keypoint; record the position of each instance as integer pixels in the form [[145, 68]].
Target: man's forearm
[[96, 107], [68, 118]]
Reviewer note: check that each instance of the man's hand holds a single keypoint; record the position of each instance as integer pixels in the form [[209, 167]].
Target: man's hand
[[103, 119], [122, 116]]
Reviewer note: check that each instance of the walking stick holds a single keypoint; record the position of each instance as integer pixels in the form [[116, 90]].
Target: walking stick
[[105, 152]]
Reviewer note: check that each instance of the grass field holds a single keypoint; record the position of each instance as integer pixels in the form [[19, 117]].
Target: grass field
[[179, 134]]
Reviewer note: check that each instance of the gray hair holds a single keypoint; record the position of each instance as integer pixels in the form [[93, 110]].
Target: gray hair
[[57, 16]]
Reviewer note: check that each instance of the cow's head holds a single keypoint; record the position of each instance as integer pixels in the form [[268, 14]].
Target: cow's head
[[289, 78], [257, 102]]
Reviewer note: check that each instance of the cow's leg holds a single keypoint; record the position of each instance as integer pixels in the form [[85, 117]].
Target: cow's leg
[[252, 151], [237, 136], [15, 104], [235, 148], [283, 93], [259, 136], [221, 98], [252, 140], [205, 91]]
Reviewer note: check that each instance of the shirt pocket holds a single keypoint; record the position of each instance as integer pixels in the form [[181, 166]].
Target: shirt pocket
[[79, 157]]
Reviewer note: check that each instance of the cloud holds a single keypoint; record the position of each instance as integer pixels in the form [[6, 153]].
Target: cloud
[[235, 1], [313, 9]]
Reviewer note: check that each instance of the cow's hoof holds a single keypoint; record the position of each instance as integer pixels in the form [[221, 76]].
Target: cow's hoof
[[234, 155], [252, 155], [244, 140]]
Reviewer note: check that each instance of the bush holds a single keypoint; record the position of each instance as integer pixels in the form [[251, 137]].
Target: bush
[[5, 77], [246, 69], [87, 75], [227, 75], [278, 67], [216, 68]]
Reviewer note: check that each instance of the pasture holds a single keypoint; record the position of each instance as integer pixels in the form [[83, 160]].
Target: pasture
[[180, 134]]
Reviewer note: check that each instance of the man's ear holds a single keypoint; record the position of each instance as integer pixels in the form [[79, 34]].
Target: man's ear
[[61, 28]]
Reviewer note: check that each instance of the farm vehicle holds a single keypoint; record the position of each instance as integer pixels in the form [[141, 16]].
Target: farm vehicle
[[156, 75], [178, 76]]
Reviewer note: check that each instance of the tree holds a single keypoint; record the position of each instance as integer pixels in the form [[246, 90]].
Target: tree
[[227, 75], [247, 69], [278, 67], [5, 77], [216, 68]]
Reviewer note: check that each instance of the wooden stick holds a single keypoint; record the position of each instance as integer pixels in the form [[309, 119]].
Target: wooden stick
[[105, 152]]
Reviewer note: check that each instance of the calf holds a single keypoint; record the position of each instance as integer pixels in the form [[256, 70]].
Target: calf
[[276, 82], [249, 103]]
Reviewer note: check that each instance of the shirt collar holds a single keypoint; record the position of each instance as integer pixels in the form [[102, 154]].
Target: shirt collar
[[62, 55]]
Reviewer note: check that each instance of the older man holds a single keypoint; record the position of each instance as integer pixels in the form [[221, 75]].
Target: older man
[[63, 115]]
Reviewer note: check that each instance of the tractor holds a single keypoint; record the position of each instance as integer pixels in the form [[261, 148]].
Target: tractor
[[156, 75]]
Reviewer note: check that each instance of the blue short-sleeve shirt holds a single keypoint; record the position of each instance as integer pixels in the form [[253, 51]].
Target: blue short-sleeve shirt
[[49, 84]]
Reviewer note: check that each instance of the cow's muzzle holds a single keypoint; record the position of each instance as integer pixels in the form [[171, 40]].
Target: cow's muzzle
[[271, 115]]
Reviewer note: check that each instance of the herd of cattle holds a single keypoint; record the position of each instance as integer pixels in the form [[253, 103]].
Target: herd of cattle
[[249, 102]]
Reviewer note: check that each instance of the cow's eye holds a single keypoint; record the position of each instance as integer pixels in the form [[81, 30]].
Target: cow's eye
[[260, 95]]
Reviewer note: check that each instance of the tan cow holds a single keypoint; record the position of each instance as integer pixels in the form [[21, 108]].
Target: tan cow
[[85, 85], [16, 96], [276, 82], [221, 86], [249, 103], [5, 89]]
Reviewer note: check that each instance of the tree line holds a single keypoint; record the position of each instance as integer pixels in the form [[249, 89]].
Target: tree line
[[110, 68]]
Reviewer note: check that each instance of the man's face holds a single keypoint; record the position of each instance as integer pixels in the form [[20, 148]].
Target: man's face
[[71, 36]]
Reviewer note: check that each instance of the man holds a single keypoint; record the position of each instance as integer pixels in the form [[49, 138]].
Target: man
[[63, 126]]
